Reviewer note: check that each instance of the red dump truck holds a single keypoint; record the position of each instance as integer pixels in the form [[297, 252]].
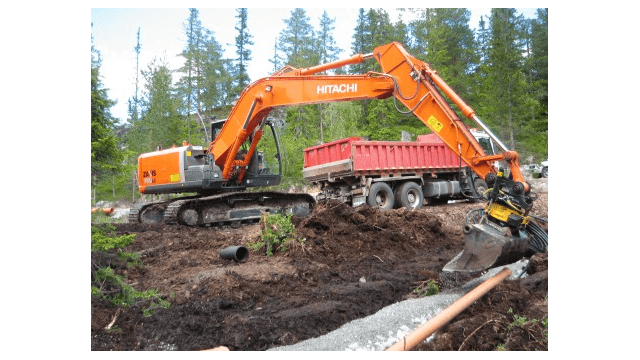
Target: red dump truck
[[391, 174]]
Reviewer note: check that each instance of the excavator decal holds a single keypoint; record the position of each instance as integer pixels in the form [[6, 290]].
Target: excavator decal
[[342, 88]]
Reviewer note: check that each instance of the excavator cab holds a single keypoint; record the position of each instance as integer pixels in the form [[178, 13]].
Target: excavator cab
[[265, 165]]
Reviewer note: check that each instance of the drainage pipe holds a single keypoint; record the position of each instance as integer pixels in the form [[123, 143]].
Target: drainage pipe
[[424, 331], [238, 253]]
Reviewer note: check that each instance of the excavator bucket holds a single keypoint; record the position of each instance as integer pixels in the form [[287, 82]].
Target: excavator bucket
[[486, 247]]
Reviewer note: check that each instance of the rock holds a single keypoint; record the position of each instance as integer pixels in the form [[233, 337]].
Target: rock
[[537, 281]]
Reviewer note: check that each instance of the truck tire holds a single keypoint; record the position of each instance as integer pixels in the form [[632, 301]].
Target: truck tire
[[409, 195], [481, 186], [381, 196], [545, 172]]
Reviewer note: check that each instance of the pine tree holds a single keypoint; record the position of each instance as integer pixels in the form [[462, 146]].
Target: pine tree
[[276, 60], [381, 29], [106, 156], [133, 106], [190, 83], [328, 50], [160, 123], [297, 40], [506, 80], [535, 130], [103, 142], [299, 48], [360, 45], [217, 74], [447, 44], [243, 41], [540, 59]]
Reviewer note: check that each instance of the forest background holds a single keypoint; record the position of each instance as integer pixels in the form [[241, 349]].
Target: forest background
[[500, 69]]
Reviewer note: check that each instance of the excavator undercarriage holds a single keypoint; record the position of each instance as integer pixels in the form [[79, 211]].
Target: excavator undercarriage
[[222, 209]]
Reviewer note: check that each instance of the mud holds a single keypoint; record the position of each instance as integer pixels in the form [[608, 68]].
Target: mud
[[352, 263]]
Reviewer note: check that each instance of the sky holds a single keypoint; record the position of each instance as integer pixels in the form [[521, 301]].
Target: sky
[[114, 34]]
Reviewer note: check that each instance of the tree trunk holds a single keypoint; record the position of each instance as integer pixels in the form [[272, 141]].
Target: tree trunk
[[133, 187], [321, 129]]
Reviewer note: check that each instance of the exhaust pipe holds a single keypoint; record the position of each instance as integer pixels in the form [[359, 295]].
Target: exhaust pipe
[[238, 253]]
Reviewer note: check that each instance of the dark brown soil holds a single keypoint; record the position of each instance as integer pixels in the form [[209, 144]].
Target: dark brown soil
[[314, 288]]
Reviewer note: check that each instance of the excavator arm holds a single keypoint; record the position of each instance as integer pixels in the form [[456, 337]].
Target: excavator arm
[[418, 88]]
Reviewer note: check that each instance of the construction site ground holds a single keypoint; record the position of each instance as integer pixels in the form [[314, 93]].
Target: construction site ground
[[354, 262]]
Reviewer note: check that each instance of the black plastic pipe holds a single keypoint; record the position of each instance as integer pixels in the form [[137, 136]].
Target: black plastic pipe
[[238, 253]]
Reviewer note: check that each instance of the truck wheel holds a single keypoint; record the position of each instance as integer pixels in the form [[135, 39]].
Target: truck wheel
[[381, 196], [409, 195], [481, 187], [545, 172]]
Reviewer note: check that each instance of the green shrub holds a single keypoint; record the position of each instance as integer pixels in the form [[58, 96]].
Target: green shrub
[[103, 241], [427, 288], [278, 233]]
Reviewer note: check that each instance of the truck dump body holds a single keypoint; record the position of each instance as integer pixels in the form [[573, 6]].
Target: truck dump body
[[356, 157]]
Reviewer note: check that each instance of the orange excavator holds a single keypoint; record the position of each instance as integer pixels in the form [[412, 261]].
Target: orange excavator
[[235, 161]]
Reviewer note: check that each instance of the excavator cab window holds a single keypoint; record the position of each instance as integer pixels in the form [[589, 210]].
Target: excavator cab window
[[216, 126], [486, 145], [268, 153]]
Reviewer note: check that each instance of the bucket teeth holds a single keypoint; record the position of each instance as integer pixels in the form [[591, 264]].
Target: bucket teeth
[[486, 247]]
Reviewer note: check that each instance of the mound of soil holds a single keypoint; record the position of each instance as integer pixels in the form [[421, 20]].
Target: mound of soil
[[352, 263]]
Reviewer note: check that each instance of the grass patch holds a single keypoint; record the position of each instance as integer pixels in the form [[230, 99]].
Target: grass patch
[[427, 288]]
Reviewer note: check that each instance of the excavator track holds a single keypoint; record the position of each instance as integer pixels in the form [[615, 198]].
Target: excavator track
[[222, 209]]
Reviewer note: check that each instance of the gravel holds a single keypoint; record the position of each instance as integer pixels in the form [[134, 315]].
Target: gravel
[[392, 323]]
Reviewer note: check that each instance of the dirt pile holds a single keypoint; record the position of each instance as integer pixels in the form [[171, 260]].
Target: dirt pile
[[354, 262]]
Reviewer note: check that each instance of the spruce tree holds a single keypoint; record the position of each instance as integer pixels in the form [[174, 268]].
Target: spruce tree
[[104, 150], [190, 83], [217, 74], [360, 45], [133, 106], [505, 80], [106, 155], [535, 127], [276, 60], [297, 40], [328, 50], [243, 41], [160, 124]]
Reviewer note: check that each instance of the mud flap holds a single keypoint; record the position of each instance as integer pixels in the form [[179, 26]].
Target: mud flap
[[486, 247]]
